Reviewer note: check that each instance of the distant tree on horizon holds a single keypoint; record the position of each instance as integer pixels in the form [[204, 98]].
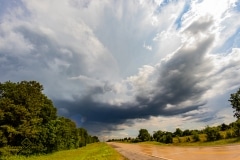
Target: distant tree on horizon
[[144, 135], [178, 132]]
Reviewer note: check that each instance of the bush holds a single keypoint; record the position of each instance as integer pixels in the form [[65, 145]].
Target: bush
[[168, 138], [179, 140], [237, 128], [188, 139], [229, 134], [8, 151], [4, 152], [213, 134], [195, 137], [136, 140]]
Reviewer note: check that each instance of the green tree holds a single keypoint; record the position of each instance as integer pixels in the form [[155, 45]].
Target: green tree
[[212, 133], [186, 132], [24, 110], [164, 137], [83, 137], [229, 134], [178, 132], [169, 138], [157, 135], [144, 135], [95, 139], [236, 128], [26, 113], [235, 102], [224, 127], [195, 136]]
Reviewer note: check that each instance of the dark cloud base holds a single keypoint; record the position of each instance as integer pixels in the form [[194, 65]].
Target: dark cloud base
[[177, 82]]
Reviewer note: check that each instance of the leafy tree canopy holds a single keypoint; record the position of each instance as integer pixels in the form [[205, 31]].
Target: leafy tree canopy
[[144, 135], [26, 113], [235, 102]]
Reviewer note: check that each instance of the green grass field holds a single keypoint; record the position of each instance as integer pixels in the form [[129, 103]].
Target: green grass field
[[95, 151]]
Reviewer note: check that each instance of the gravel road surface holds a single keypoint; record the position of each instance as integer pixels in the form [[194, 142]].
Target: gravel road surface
[[154, 152], [132, 154]]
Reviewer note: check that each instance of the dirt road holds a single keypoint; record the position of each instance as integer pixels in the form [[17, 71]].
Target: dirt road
[[154, 152]]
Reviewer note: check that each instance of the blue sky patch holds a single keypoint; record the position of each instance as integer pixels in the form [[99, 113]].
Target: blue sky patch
[[186, 8], [237, 7], [232, 42], [164, 4]]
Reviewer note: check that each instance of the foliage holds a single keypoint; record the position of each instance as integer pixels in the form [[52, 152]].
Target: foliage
[[136, 140], [164, 137], [235, 102], [212, 133], [229, 134], [236, 128], [144, 135], [188, 139], [179, 139], [157, 135], [186, 132], [178, 132], [195, 137], [168, 138], [224, 127], [209, 135], [27, 114]]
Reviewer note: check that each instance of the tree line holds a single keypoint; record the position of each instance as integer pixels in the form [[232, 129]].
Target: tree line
[[29, 123], [214, 133], [211, 133]]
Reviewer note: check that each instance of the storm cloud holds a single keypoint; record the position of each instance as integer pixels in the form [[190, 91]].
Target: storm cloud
[[108, 64]]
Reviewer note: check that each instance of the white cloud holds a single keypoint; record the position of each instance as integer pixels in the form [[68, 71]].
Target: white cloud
[[8, 38], [225, 73], [148, 47], [102, 48]]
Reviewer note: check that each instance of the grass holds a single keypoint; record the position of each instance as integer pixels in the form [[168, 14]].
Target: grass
[[95, 151], [182, 141], [203, 141], [212, 143], [196, 144]]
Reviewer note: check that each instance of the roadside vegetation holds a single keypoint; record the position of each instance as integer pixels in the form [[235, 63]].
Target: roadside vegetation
[[29, 124], [99, 151], [216, 135]]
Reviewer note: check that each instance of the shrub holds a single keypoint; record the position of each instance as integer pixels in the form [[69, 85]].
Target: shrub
[[169, 138], [213, 134], [195, 137], [179, 140], [188, 139], [229, 134]]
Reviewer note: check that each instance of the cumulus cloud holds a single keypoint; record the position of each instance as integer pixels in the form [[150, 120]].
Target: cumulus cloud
[[106, 64]]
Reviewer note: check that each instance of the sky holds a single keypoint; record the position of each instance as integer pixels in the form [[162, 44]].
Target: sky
[[116, 66]]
